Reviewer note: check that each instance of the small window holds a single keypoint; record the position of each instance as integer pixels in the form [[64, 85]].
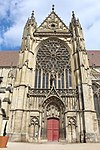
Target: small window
[[36, 79], [55, 83], [39, 79], [58, 84], [52, 25], [43, 86], [66, 78], [63, 81], [47, 75]]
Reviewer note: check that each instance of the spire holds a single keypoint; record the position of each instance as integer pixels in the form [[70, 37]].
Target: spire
[[53, 7], [77, 32], [30, 26], [73, 20], [31, 21], [73, 17]]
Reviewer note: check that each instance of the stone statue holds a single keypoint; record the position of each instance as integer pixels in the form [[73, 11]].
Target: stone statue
[[52, 78]]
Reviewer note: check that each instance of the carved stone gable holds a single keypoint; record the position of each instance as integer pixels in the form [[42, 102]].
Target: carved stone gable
[[53, 24], [53, 92]]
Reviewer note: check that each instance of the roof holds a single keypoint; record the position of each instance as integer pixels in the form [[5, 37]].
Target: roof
[[10, 58], [94, 57]]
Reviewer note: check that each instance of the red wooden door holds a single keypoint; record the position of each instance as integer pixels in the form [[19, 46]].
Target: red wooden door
[[53, 129]]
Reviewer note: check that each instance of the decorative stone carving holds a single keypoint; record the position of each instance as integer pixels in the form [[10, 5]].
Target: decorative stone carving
[[34, 120], [52, 23], [57, 92], [34, 127], [72, 120], [53, 111]]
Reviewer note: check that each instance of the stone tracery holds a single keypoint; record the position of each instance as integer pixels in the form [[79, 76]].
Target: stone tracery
[[52, 55]]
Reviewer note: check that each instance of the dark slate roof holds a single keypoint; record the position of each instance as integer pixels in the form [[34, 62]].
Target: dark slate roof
[[10, 58]]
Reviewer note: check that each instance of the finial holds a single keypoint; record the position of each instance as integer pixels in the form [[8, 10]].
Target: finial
[[73, 15], [53, 7], [32, 16]]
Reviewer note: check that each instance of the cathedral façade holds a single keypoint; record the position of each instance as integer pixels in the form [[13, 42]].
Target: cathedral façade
[[53, 92]]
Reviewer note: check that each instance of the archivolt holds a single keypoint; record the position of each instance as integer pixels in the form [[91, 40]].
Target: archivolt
[[55, 101]]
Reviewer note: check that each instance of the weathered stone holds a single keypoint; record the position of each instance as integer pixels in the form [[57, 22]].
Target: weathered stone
[[50, 91]]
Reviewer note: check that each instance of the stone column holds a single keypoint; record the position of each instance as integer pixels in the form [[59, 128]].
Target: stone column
[[40, 120], [1, 120], [66, 127]]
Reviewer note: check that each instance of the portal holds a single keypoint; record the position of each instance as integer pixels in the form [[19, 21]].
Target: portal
[[53, 129]]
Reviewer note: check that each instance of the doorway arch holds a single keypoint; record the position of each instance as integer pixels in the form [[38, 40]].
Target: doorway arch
[[53, 121]]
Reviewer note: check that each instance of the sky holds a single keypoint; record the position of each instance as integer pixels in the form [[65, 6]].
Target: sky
[[14, 14]]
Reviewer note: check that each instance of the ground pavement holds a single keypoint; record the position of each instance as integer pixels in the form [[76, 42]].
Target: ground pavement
[[51, 146]]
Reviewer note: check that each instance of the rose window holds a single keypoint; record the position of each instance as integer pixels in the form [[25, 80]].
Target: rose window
[[52, 55]]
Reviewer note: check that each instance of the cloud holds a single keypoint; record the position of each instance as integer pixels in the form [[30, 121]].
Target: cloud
[[14, 14], [4, 6], [1, 40], [93, 36], [12, 37]]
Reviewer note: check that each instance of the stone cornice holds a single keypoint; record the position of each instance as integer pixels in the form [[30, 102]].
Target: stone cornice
[[60, 34], [80, 111]]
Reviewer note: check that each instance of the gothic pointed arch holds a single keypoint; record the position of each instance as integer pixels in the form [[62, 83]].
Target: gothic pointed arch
[[52, 109], [55, 101], [53, 55]]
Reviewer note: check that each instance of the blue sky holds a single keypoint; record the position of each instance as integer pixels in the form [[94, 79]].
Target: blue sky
[[14, 14]]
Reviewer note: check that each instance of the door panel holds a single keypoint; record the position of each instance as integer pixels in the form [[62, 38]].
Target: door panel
[[55, 135], [53, 129]]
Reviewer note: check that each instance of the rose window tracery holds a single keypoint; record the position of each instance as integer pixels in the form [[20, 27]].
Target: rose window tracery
[[52, 55]]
